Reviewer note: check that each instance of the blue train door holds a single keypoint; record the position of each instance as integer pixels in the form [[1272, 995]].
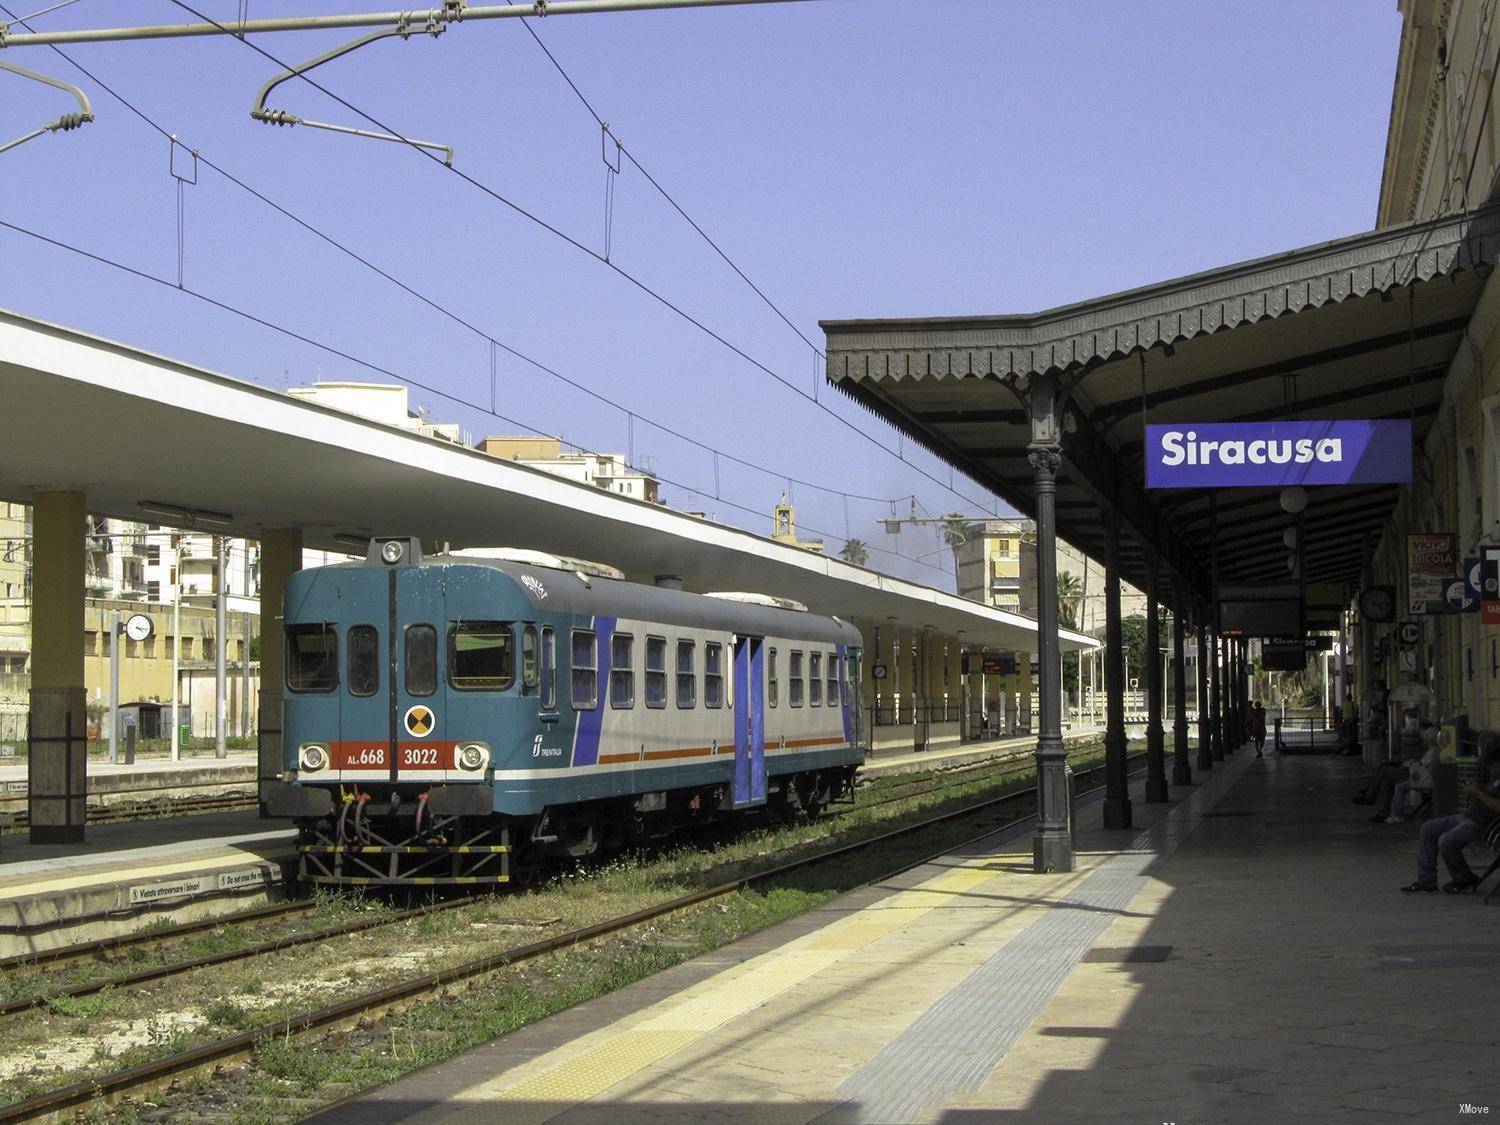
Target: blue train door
[[366, 744], [749, 722]]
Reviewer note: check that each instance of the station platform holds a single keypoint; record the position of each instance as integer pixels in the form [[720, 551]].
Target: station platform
[[965, 754], [126, 875], [104, 775], [1242, 955]]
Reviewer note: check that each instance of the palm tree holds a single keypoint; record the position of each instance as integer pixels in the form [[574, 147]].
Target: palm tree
[[956, 532], [1069, 595], [855, 551]]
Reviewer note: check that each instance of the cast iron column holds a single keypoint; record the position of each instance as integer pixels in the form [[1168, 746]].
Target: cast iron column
[[1052, 847], [1156, 760], [1116, 772], [1205, 738], [1182, 771]]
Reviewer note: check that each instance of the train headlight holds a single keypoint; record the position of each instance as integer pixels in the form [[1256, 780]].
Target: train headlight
[[392, 551], [314, 757], [473, 756]]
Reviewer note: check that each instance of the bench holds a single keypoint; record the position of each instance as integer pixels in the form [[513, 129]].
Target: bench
[[1491, 840]]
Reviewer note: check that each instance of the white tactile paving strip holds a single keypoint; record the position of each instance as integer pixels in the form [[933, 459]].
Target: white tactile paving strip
[[956, 1043]]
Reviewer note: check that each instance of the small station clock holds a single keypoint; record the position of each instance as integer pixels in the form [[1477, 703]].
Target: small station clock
[[1378, 603], [137, 627]]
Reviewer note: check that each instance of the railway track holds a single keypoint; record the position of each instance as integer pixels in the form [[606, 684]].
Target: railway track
[[276, 912], [241, 1045]]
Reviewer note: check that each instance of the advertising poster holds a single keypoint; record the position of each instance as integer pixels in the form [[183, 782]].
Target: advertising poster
[[1431, 563]]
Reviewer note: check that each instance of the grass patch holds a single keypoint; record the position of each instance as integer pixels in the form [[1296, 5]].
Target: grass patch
[[101, 1003]]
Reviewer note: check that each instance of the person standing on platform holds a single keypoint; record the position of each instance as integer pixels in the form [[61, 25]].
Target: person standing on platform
[[1257, 727], [1349, 724], [1449, 835]]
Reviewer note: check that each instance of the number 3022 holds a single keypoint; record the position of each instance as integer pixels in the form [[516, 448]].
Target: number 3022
[[419, 756]]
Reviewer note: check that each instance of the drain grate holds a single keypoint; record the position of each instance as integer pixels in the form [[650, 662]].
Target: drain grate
[[1126, 954], [1230, 812]]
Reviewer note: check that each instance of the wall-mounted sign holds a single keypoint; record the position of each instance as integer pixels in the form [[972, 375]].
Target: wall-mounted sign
[[1277, 454], [1489, 592], [1431, 562]]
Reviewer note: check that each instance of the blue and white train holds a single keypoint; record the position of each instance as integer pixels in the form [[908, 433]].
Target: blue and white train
[[462, 718]]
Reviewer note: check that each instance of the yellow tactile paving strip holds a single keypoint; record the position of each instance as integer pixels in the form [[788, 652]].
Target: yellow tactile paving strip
[[203, 861], [673, 1025]]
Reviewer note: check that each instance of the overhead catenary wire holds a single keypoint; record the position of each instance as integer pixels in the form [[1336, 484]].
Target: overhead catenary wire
[[291, 333], [494, 343], [647, 290]]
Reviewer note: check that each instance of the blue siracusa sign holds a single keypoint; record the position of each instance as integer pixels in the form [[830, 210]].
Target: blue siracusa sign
[[1276, 454]]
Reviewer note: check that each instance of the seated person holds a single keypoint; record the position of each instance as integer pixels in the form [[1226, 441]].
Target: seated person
[[1419, 779], [1449, 835]]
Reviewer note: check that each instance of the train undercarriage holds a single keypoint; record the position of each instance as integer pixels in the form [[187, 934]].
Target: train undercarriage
[[393, 836]]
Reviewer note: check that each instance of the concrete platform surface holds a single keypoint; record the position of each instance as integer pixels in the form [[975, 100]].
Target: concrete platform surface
[[126, 875], [1242, 955], [143, 770]]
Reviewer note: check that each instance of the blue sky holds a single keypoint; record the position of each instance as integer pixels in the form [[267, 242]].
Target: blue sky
[[854, 157]]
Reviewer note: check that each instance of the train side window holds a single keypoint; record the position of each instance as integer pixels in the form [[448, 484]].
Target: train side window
[[656, 671], [531, 676], [312, 658], [832, 669], [481, 656], [815, 679], [421, 659], [773, 685], [622, 671], [713, 674], [687, 674], [794, 680], [549, 669], [585, 670], [364, 660]]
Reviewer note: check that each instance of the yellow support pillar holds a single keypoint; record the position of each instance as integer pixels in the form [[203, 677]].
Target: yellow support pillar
[[280, 558], [57, 750]]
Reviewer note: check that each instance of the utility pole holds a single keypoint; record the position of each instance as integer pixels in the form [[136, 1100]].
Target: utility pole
[[114, 686], [221, 750]]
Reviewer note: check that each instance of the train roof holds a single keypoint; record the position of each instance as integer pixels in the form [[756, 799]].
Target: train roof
[[570, 591]]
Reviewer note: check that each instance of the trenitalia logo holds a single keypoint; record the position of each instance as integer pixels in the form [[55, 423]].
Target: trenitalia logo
[[1276, 454]]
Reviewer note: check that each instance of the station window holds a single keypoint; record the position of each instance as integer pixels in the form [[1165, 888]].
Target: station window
[[421, 659], [530, 674], [794, 680], [773, 685], [713, 674], [549, 669], [585, 670], [687, 674], [832, 669], [364, 660], [815, 679], [622, 671], [312, 658], [481, 656], [656, 671]]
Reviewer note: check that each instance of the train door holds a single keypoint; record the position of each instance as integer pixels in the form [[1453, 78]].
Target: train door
[[424, 746], [749, 722]]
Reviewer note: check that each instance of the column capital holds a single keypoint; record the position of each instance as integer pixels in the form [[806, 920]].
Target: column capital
[[1044, 458]]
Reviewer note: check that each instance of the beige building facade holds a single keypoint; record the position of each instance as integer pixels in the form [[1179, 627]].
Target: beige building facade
[[1443, 157]]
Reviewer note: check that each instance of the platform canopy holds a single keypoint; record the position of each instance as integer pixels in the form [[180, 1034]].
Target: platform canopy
[[1363, 327], [140, 435]]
